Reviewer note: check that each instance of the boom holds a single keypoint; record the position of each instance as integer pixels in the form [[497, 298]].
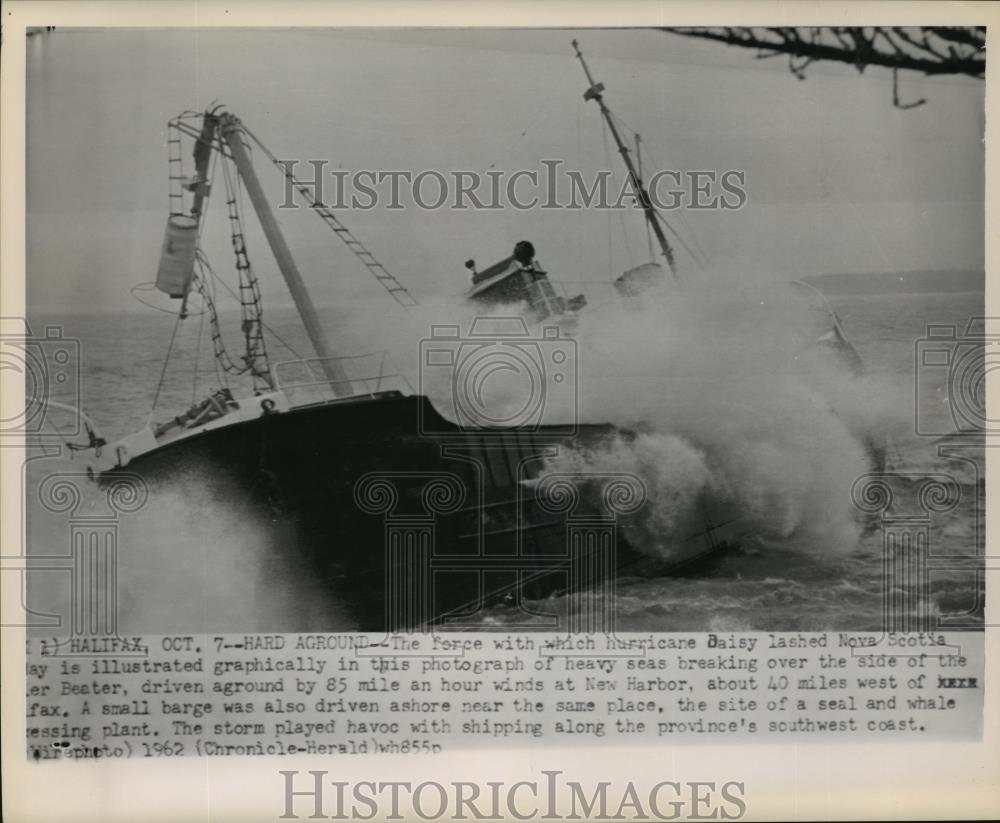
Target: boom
[[232, 132]]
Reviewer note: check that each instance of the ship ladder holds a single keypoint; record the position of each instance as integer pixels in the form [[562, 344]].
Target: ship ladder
[[398, 291]]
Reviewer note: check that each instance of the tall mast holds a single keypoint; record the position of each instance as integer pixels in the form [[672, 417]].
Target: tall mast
[[594, 93], [232, 132]]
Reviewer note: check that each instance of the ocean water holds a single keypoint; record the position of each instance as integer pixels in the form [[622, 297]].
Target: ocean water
[[97, 107], [188, 563], [800, 582]]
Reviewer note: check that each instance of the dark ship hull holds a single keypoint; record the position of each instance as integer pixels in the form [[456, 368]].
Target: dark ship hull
[[411, 529]]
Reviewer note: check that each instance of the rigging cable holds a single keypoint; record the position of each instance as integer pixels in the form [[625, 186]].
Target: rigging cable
[[621, 214], [702, 257], [698, 256], [266, 327], [399, 292], [197, 357], [216, 279], [255, 359], [163, 371], [203, 220], [607, 161], [649, 230], [151, 286]]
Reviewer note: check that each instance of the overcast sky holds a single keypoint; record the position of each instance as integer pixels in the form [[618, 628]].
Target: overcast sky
[[838, 179]]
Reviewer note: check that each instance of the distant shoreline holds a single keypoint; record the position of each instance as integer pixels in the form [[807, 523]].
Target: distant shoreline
[[906, 282], [831, 285]]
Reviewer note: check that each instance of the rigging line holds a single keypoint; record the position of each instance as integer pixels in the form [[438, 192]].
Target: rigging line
[[679, 239], [621, 214], [218, 343], [205, 208], [693, 236], [621, 218], [579, 154], [625, 126], [628, 246], [276, 336], [700, 259], [705, 260], [649, 243], [649, 210], [697, 253], [144, 287], [57, 429], [253, 338], [220, 373], [249, 298], [649, 230], [607, 161], [166, 362], [388, 281], [197, 358], [221, 353]]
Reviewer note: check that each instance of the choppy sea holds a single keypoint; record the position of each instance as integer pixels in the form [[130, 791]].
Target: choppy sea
[[97, 105], [182, 569]]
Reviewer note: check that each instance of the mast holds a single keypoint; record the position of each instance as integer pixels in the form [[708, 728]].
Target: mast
[[638, 162], [594, 93], [232, 130]]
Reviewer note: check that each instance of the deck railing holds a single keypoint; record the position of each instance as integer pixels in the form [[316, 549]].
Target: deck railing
[[304, 380]]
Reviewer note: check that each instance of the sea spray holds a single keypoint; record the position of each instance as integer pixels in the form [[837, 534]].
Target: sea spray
[[780, 424], [716, 392], [200, 557], [676, 476]]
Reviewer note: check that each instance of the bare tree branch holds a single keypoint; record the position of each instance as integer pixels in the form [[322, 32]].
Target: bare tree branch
[[969, 36], [895, 94], [928, 50]]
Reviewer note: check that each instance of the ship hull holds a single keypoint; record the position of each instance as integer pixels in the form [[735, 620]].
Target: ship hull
[[410, 521]]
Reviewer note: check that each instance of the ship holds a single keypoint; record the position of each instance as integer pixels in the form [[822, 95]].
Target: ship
[[409, 518]]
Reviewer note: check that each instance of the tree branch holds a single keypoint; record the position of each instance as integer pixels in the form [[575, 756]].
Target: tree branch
[[939, 50]]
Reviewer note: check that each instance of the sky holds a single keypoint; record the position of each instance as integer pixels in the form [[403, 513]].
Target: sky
[[837, 179]]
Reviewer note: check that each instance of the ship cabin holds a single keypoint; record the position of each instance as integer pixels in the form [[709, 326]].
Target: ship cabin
[[521, 279]]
